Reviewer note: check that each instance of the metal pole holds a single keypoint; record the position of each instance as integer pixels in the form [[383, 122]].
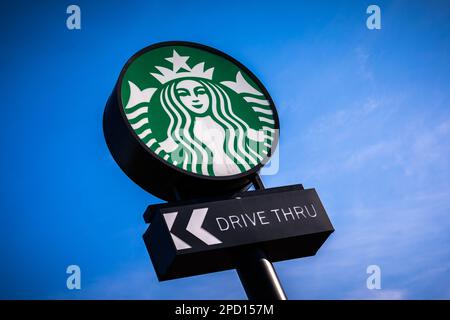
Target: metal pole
[[257, 274]]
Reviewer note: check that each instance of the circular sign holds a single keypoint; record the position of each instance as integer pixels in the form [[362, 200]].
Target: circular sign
[[188, 121]]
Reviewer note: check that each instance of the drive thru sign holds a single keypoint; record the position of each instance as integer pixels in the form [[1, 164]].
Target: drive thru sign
[[188, 239]]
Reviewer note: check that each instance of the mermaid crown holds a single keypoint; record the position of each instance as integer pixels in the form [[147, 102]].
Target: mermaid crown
[[178, 63]]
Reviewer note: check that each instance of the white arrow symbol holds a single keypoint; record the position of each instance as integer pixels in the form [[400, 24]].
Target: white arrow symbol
[[195, 227], [170, 219]]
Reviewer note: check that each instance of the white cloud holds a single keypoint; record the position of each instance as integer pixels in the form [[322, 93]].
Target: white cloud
[[378, 295], [363, 60], [138, 281], [384, 176]]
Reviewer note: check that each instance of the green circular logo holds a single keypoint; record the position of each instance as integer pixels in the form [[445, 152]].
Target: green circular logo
[[198, 110]]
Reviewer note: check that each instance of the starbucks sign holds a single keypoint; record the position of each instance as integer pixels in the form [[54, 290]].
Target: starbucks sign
[[186, 121], [193, 126]]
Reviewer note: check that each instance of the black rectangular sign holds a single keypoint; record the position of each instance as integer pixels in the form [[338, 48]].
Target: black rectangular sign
[[186, 239]]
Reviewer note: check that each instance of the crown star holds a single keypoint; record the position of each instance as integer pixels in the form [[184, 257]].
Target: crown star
[[178, 61]]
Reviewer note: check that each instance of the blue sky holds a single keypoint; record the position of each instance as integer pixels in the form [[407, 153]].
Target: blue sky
[[365, 119]]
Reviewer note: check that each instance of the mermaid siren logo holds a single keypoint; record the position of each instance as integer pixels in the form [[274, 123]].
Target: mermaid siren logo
[[199, 112], [187, 121]]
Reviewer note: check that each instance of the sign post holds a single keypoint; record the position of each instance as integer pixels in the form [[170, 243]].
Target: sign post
[[257, 274], [193, 126]]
